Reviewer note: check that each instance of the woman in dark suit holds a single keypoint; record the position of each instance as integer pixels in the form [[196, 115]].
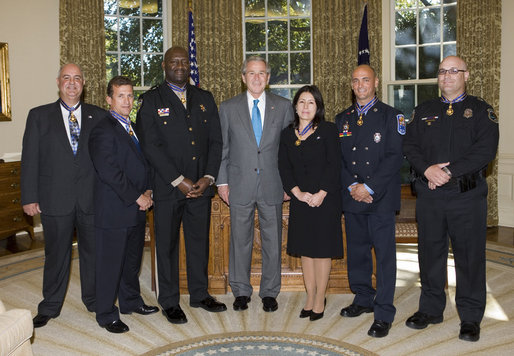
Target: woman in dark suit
[[310, 164]]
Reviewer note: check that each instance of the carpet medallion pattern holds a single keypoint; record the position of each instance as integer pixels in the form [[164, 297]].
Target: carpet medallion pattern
[[258, 344]]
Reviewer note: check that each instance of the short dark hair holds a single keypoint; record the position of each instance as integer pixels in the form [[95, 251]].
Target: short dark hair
[[117, 81], [320, 106]]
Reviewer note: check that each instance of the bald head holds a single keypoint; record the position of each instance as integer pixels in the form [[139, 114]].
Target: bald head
[[364, 83], [70, 82], [176, 66]]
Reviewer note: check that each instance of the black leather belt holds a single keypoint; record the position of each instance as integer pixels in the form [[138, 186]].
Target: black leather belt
[[465, 182]]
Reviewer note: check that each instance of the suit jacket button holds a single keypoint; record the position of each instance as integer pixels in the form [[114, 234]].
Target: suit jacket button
[[193, 143], [355, 176], [353, 163], [194, 158], [367, 163], [354, 148], [190, 129], [255, 169], [366, 148], [259, 152]]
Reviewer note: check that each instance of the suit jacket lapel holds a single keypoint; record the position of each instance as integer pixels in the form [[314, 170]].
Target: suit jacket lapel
[[244, 116], [269, 116], [125, 137]]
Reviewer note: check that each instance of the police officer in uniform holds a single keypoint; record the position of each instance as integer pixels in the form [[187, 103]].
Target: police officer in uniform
[[179, 131], [449, 143], [370, 134]]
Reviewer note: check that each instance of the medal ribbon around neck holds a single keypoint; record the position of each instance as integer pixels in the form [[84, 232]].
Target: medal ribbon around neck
[[69, 108], [460, 98], [124, 121], [363, 110], [178, 89], [304, 131]]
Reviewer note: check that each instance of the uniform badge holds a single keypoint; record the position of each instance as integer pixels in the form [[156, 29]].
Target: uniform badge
[[468, 113], [163, 112], [202, 107], [429, 119], [377, 137], [345, 132], [492, 116], [400, 119]]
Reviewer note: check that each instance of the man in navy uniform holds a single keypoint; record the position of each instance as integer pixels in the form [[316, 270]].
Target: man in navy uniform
[[122, 195], [179, 130], [449, 144], [371, 134]]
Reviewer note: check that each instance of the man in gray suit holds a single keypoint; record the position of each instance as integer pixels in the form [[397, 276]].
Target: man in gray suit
[[251, 124]]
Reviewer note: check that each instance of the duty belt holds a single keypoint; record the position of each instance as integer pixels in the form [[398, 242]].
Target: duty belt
[[465, 182]]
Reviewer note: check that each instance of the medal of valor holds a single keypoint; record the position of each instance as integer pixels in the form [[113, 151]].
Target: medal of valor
[[298, 142], [449, 112], [360, 122]]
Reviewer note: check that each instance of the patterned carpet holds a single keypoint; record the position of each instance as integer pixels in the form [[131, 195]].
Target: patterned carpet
[[75, 332]]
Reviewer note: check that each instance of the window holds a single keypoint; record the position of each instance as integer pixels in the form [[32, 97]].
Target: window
[[134, 41], [424, 32], [280, 31]]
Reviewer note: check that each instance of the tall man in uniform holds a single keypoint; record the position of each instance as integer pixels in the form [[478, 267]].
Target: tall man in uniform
[[371, 135], [248, 179], [449, 143], [57, 178], [179, 130], [122, 195]]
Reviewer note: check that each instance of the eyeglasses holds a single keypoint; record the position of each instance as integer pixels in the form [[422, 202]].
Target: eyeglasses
[[451, 71]]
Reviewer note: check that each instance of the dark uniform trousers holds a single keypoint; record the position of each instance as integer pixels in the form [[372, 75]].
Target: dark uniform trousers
[[195, 215], [461, 216]]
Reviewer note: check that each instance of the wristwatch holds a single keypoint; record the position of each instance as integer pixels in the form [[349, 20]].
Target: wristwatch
[[447, 171]]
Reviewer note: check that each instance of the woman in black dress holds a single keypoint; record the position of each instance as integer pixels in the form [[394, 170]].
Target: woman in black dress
[[310, 164]]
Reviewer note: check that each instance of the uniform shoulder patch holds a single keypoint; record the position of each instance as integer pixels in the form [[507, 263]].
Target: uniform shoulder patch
[[492, 116], [400, 120]]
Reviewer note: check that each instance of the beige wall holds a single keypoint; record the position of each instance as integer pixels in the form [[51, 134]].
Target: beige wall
[[31, 28], [506, 115]]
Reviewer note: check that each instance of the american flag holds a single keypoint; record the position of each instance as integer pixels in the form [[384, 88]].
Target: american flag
[[195, 75], [363, 39]]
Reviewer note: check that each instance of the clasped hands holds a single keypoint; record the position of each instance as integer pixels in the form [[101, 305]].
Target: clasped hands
[[193, 190], [145, 200], [359, 193], [436, 176], [313, 200]]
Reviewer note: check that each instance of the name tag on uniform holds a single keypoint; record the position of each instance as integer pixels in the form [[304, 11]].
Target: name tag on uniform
[[429, 119], [163, 112]]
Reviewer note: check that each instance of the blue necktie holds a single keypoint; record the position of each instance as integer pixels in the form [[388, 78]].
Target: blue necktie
[[256, 122]]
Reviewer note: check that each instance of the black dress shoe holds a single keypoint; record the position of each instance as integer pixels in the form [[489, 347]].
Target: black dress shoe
[[241, 302], [469, 331], [305, 313], [379, 328], [116, 327], [354, 310], [210, 304], [143, 310], [316, 316], [421, 320], [269, 304], [175, 315], [41, 320]]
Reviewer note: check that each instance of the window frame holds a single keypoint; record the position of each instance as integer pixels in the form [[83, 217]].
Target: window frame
[[290, 87]]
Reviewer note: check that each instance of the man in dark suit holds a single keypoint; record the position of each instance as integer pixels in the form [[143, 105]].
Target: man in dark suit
[[122, 195], [179, 130], [371, 135], [249, 179], [57, 179]]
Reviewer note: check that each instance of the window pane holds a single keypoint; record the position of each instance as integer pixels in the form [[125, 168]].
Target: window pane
[[300, 33], [277, 8], [278, 63], [405, 4], [405, 63], [152, 36], [129, 35], [129, 7], [111, 34], [300, 8], [300, 68], [429, 26], [110, 7], [429, 58], [284, 92], [405, 27], [427, 92], [111, 66], [152, 8], [429, 2], [152, 69], [254, 8], [255, 36], [404, 98], [449, 50], [450, 23], [131, 67], [277, 35]]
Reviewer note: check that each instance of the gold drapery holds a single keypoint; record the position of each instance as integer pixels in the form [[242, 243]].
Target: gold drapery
[[335, 39], [219, 38], [479, 44], [82, 41]]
